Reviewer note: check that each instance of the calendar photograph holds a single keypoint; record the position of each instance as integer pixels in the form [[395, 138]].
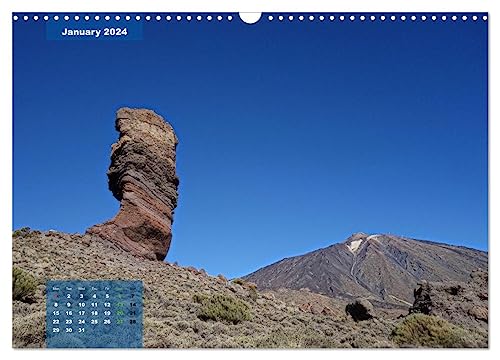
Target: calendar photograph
[[250, 180]]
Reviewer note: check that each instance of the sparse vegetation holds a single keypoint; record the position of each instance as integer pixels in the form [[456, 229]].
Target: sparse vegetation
[[173, 320], [249, 286], [221, 307], [21, 232], [23, 285], [239, 281], [285, 339], [252, 292], [419, 330], [29, 330]]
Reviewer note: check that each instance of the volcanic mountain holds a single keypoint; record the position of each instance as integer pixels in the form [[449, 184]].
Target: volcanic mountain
[[383, 268]]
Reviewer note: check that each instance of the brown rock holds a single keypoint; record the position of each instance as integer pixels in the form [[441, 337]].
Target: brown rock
[[203, 272], [193, 270], [307, 307], [222, 279], [268, 296], [479, 312], [251, 285], [483, 296], [86, 240], [327, 311], [142, 177]]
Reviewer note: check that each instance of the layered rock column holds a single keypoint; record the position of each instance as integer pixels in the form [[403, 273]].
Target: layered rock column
[[142, 177]]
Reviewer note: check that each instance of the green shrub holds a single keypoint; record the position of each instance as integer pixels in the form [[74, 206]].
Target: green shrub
[[239, 281], [21, 232], [419, 330], [23, 285], [221, 307]]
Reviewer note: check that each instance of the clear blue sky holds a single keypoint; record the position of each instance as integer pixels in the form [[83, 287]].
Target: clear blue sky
[[292, 136]]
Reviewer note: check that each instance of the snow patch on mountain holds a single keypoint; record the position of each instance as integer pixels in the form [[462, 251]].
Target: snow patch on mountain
[[354, 245]]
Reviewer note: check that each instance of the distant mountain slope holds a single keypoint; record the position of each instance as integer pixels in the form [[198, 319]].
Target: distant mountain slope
[[381, 267]]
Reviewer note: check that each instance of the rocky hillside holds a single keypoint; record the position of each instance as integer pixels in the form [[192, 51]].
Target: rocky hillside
[[384, 268], [464, 303], [175, 310]]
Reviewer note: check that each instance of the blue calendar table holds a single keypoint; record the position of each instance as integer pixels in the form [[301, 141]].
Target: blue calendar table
[[94, 314]]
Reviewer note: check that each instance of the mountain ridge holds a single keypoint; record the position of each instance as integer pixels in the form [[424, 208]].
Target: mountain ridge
[[388, 234], [379, 266]]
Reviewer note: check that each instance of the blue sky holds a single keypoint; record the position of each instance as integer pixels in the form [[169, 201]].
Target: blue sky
[[292, 135]]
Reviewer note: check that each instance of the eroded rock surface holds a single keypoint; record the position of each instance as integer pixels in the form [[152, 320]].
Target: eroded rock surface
[[142, 177], [463, 303]]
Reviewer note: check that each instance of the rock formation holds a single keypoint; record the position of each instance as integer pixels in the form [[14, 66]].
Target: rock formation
[[142, 177], [463, 303]]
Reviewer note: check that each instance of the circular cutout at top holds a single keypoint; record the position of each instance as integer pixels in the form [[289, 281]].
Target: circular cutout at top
[[250, 17]]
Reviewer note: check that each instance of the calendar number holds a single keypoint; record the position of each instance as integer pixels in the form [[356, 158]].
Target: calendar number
[[114, 310]]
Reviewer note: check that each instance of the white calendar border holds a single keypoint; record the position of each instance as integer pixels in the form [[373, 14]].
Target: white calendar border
[[7, 7]]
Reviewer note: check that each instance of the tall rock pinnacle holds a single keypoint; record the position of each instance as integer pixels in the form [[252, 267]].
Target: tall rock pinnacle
[[142, 177]]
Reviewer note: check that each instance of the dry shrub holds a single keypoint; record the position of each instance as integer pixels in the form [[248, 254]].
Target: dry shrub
[[21, 232], [290, 338], [23, 285], [419, 330], [252, 293], [239, 281], [221, 307]]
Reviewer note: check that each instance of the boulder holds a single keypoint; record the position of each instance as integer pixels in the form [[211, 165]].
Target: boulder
[[222, 279], [328, 312], [306, 307]]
